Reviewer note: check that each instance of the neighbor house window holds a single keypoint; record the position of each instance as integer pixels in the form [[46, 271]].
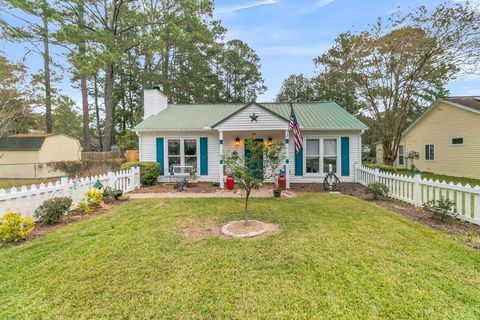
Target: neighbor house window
[[313, 156], [458, 141], [429, 152], [330, 154], [182, 152], [401, 156]]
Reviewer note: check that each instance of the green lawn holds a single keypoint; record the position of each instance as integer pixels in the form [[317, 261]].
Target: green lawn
[[333, 257], [463, 180], [9, 183]]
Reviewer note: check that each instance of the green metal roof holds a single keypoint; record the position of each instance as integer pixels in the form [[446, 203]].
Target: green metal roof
[[310, 115]]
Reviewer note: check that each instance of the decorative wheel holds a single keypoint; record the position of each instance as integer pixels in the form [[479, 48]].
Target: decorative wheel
[[331, 182]]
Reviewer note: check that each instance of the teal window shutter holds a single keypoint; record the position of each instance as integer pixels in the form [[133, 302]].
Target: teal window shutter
[[345, 156], [299, 162], [203, 156], [160, 154]]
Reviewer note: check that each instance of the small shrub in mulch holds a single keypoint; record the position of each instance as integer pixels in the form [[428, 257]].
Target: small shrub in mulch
[[52, 210], [441, 209], [377, 190]]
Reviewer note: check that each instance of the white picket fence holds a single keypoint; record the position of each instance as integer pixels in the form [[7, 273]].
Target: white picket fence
[[417, 191], [26, 199]]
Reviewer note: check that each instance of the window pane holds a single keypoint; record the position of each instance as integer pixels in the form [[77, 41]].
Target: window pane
[[457, 140], [313, 147], [400, 155], [173, 161], [313, 165], [327, 161], [330, 147], [432, 152], [191, 161], [174, 147], [190, 147]]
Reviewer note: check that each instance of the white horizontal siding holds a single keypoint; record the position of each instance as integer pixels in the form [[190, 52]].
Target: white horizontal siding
[[148, 148], [354, 156], [242, 121]]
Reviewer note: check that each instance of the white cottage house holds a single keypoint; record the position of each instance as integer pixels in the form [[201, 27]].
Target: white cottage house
[[182, 136]]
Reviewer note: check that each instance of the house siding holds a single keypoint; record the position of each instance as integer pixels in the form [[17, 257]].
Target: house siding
[[355, 142], [148, 149], [241, 121], [437, 127]]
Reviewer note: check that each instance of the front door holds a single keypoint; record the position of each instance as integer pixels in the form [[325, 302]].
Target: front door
[[256, 165]]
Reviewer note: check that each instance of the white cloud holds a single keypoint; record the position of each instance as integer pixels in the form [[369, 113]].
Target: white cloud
[[316, 6], [230, 10]]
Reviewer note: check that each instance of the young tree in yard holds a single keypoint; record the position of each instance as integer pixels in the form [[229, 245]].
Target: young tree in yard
[[263, 162], [395, 66]]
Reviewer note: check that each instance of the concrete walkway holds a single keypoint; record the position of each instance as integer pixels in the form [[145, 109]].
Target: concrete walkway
[[262, 193]]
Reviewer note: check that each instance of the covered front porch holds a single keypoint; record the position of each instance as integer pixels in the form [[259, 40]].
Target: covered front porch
[[234, 142]]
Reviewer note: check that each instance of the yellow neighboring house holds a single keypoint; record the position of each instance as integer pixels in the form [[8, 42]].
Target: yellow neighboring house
[[444, 140], [25, 156]]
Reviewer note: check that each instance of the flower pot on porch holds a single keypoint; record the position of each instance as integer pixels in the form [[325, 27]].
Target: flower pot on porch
[[277, 193]]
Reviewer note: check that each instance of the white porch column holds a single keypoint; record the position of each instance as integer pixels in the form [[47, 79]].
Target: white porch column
[[220, 141], [287, 160]]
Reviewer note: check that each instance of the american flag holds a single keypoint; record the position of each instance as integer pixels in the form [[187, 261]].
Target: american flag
[[296, 130]]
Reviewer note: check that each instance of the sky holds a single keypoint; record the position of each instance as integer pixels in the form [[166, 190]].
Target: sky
[[289, 34], [286, 34]]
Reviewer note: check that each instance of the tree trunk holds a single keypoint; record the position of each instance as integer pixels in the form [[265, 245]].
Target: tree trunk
[[97, 111], [83, 84], [109, 82], [46, 75], [245, 214], [165, 75]]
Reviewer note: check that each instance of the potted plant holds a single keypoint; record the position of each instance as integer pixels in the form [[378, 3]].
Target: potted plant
[[277, 191]]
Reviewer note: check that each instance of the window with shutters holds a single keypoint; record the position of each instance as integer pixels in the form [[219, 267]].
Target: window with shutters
[[182, 152], [320, 153]]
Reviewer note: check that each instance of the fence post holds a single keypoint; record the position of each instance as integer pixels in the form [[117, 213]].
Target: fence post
[[377, 175], [137, 177], [64, 183], [111, 179], [417, 190]]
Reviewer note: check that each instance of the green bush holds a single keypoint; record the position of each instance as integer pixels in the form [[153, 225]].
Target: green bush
[[93, 199], [441, 208], [149, 171], [377, 190], [14, 227], [111, 195], [53, 209]]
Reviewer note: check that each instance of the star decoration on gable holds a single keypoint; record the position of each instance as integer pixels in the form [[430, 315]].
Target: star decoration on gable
[[254, 117]]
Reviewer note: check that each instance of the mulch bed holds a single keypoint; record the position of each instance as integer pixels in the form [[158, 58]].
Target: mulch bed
[[168, 187], [455, 227], [72, 217]]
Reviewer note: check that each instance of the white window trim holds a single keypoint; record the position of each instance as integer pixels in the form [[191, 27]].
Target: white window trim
[[182, 150], [434, 152], [321, 139], [457, 145]]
